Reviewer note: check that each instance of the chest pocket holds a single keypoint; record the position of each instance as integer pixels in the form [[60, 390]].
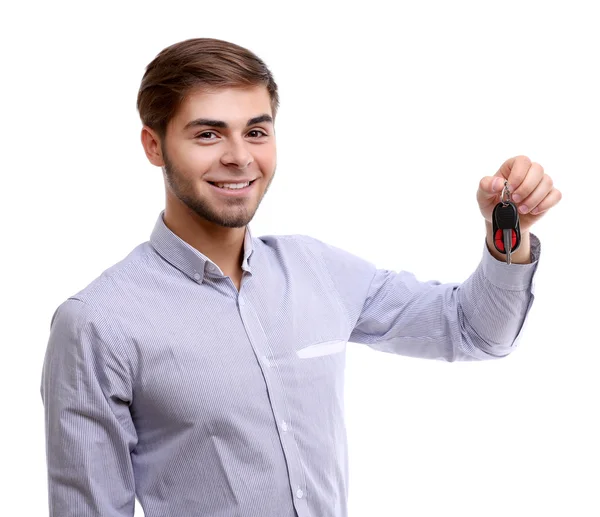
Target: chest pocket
[[321, 349]]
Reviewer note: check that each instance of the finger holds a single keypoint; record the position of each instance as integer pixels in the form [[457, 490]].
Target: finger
[[514, 170], [518, 172], [548, 202], [539, 193], [534, 176]]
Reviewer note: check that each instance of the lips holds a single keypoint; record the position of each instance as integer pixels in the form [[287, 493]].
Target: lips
[[233, 181], [233, 192]]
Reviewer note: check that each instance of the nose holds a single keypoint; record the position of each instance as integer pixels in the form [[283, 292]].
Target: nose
[[237, 154]]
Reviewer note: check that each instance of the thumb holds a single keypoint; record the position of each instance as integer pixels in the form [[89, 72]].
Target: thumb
[[490, 186]]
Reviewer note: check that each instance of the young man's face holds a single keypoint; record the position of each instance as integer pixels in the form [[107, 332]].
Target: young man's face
[[197, 153]]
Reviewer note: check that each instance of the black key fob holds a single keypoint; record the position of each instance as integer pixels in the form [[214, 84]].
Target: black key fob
[[506, 217]]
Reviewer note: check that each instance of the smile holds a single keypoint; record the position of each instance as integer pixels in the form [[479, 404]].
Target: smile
[[236, 191]]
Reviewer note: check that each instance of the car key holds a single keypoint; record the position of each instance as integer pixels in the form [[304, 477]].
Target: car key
[[505, 225]]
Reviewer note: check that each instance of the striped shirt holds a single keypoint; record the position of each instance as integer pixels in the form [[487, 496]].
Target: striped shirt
[[161, 381]]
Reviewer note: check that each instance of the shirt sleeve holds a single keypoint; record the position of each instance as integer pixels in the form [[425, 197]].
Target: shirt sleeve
[[86, 392], [480, 318]]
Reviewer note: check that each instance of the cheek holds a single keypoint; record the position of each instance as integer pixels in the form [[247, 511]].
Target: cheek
[[195, 158], [267, 159]]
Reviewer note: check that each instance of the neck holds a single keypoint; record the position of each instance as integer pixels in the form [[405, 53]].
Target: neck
[[224, 246]]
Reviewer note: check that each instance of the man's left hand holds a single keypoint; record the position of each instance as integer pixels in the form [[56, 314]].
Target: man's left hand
[[529, 187]]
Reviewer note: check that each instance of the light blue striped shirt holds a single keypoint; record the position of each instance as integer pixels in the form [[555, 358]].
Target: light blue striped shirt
[[161, 381]]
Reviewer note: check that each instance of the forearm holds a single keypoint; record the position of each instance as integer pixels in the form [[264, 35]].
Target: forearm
[[496, 299], [521, 256]]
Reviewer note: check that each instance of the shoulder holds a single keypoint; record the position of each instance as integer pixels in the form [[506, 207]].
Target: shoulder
[[108, 290], [299, 243], [299, 248], [347, 270], [116, 277]]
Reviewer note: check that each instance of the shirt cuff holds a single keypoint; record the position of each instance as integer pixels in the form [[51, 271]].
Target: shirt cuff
[[514, 277]]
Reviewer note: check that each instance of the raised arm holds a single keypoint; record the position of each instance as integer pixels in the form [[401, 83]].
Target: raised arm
[[480, 318]]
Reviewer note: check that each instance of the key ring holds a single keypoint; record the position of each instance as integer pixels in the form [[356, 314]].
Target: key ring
[[505, 189]]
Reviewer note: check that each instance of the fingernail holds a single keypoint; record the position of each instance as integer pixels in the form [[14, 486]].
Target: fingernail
[[496, 184], [523, 209], [516, 198]]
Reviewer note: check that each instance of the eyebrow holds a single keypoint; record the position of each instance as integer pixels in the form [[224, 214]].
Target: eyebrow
[[219, 123]]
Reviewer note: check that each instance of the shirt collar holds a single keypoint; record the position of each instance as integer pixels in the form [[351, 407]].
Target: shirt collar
[[188, 259]]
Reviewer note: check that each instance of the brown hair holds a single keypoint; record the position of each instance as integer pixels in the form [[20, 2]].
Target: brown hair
[[198, 63]]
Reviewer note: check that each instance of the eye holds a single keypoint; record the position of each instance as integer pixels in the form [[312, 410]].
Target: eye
[[258, 131], [205, 133], [199, 135]]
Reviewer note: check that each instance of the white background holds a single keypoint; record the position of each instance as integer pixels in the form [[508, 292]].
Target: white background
[[391, 113]]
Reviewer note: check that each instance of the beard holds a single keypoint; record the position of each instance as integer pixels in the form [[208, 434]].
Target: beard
[[229, 213]]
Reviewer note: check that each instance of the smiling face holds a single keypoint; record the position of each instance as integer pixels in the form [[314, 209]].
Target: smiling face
[[222, 136]]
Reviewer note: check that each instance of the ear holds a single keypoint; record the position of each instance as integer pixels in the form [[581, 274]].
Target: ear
[[151, 145]]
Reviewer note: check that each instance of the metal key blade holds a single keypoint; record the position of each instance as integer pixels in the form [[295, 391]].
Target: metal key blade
[[507, 234]]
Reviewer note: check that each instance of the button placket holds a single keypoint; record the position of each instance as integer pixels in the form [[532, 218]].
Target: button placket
[[276, 394]]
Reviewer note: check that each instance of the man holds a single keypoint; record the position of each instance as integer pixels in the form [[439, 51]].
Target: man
[[204, 371]]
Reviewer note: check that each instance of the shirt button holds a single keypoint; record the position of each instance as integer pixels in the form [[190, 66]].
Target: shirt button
[[241, 300], [299, 493], [267, 362], [197, 276], [284, 426]]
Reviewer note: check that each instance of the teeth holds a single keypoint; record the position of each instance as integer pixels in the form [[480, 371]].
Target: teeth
[[232, 185]]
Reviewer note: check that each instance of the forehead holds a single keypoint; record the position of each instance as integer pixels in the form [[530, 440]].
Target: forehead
[[232, 105]]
